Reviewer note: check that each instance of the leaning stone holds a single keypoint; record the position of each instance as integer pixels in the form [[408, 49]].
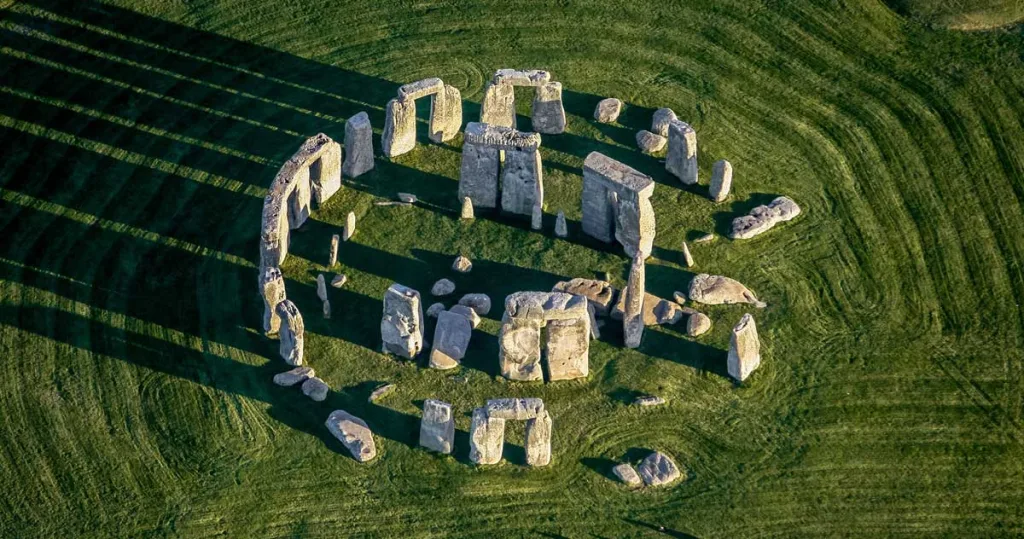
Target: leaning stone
[[401, 326], [381, 392], [649, 400], [474, 318], [358, 146], [658, 469], [681, 160], [420, 88], [481, 303], [719, 290], [339, 280], [679, 297], [687, 257], [315, 389], [435, 309], [698, 324], [764, 218], [655, 311], [273, 292], [662, 119], [399, 135], [548, 114], [632, 318], [350, 226], [451, 339], [706, 238], [294, 376], [408, 198], [744, 349], [321, 287], [518, 409], [462, 264], [292, 332], [467, 208], [608, 110], [333, 256], [538, 440], [486, 438], [561, 228], [437, 428], [721, 180], [353, 433], [650, 143], [498, 107], [627, 474], [600, 294], [445, 114], [442, 287]]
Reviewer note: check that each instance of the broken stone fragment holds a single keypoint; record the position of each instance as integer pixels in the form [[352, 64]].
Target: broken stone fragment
[[481, 303], [381, 392], [408, 198], [608, 110], [486, 438], [350, 227], [649, 400], [321, 287], [744, 349], [658, 469], [294, 376], [467, 208], [353, 433], [600, 294], [518, 409], [721, 180], [333, 255], [469, 313], [719, 290], [462, 264], [451, 339], [666, 312], [401, 325], [538, 440], [568, 348], [443, 287], [687, 257], [627, 474], [315, 389], [681, 160], [339, 280], [650, 143], [292, 333], [358, 146], [697, 324], [561, 228], [437, 428], [661, 120], [764, 218], [435, 309]]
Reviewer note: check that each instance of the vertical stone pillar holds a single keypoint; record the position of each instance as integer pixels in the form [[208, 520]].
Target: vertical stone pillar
[[548, 114], [519, 348], [401, 326], [445, 114], [568, 348], [522, 182], [721, 180], [498, 106], [292, 333], [478, 177], [359, 145], [538, 440], [486, 438], [399, 127], [437, 428], [744, 349], [273, 292], [325, 173], [635, 228], [681, 159], [633, 316], [299, 199]]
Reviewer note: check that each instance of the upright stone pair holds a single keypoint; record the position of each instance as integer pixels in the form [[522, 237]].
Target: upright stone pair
[[522, 181], [498, 107], [400, 115], [487, 430], [617, 204], [567, 349]]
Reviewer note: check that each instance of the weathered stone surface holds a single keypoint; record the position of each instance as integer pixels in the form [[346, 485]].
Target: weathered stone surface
[[658, 469], [721, 180], [650, 143], [561, 228], [632, 318], [273, 292], [521, 77], [481, 303], [292, 333], [681, 160], [744, 349], [600, 294], [545, 306], [332, 257], [537, 217], [666, 312], [649, 400], [420, 88], [635, 227], [381, 392], [353, 433], [661, 120], [462, 264], [399, 135], [627, 474], [437, 428], [445, 114], [294, 376], [706, 238], [655, 310], [408, 198], [321, 287], [616, 203], [548, 114], [435, 309], [315, 389], [698, 324], [478, 175], [467, 209], [518, 409], [350, 227], [679, 297], [607, 110], [486, 438], [327, 309], [522, 182], [339, 280], [519, 340], [401, 325], [719, 290], [358, 146], [442, 287], [764, 218], [538, 440], [568, 348], [451, 339], [687, 257], [498, 107], [519, 349], [474, 318]]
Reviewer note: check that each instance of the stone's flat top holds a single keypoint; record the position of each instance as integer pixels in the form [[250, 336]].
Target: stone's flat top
[[528, 408], [619, 173], [359, 120], [658, 469], [402, 290], [528, 77], [421, 87], [545, 305], [502, 137]]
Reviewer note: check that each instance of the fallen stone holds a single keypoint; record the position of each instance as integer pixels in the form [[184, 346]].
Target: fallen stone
[[474, 319], [679, 297], [649, 400], [315, 389], [518, 409], [442, 287], [321, 287], [600, 294], [698, 324], [462, 264], [705, 238], [486, 438], [333, 255], [763, 218], [561, 228], [744, 349], [608, 110], [666, 312], [633, 303], [401, 326], [658, 469], [681, 160], [353, 433], [437, 428], [408, 198], [350, 227], [467, 208], [481, 303], [687, 257], [358, 146], [479, 172], [381, 392], [292, 333], [339, 280], [721, 180], [627, 474], [435, 309], [451, 339], [294, 376], [662, 119], [650, 143], [719, 290], [538, 440]]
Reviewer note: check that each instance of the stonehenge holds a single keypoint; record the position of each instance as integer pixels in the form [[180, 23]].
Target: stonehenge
[[721, 180], [568, 336], [658, 469], [616, 204], [487, 430], [273, 292], [522, 183], [437, 427], [608, 110], [744, 349], [358, 146], [632, 318], [451, 339], [681, 160], [486, 438], [401, 326], [292, 333], [719, 290], [400, 115], [353, 433], [498, 107], [763, 218]]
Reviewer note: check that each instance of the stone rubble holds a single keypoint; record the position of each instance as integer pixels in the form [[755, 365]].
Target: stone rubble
[[763, 218], [315, 389], [744, 349], [435, 309], [353, 433], [339, 280], [294, 376], [721, 180], [401, 325], [632, 318], [292, 333], [719, 290], [442, 287], [358, 146], [687, 257], [437, 427], [608, 110]]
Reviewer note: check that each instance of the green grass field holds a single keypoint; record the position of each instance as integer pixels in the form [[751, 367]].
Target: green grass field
[[138, 140]]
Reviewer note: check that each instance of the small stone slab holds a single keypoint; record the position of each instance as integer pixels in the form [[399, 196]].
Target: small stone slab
[[315, 388], [435, 309], [451, 339], [763, 218], [519, 409], [658, 469], [706, 238], [661, 120], [353, 433], [481, 303], [467, 209], [443, 287], [627, 474], [650, 143], [294, 376], [462, 264], [350, 227], [649, 400], [607, 110]]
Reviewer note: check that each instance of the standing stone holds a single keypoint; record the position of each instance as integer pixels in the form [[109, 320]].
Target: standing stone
[[315, 389], [292, 332], [744, 349], [481, 303], [407, 198], [764, 218], [467, 208], [498, 107], [321, 287], [437, 428], [608, 110], [350, 226], [687, 257], [486, 438], [273, 292], [719, 290], [451, 339], [662, 119], [358, 146], [401, 326], [353, 433], [333, 259], [658, 469], [445, 114], [519, 348], [627, 474], [650, 143], [399, 127], [442, 287], [632, 319], [294, 376], [538, 440], [616, 204], [697, 324], [462, 264], [561, 228], [681, 160], [537, 217], [478, 175], [721, 180], [522, 183], [548, 114]]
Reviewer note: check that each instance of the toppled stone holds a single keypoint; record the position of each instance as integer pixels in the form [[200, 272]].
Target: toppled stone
[[537, 217], [763, 218], [474, 319], [687, 257], [333, 254], [462, 264], [437, 428], [666, 312], [600, 294], [486, 438], [273, 292], [358, 146], [658, 469], [442, 287], [408, 198], [350, 227], [315, 389], [321, 287], [744, 349], [353, 433], [721, 180], [401, 325], [650, 143], [435, 309], [481, 303], [339, 280], [706, 238], [719, 290], [294, 376], [519, 409], [698, 324], [538, 440], [662, 119], [627, 474], [561, 228], [681, 160], [467, 208], [381, 392], [451, 339], [292, 333], [633, 302], [655, 310], [679, 297], [608, 110], [649, 400]]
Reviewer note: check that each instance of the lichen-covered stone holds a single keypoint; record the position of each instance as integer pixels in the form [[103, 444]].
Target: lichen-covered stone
[[498, 107], [608, 110], [273, 292], [462, 264], [719, 290], [481, 303], [658, 469], [420, 88], [315, 388], [321, 287], [478, 175], [538, 440], [500, 137], [519, 350], [437, 427], [744, 349], [521, 77], [445, 114], [442, 287], [451, 339], [632, 318], [332, 257], [401, 325], [486, 438], [627, 474], [358, 146], [681, 160], [292, 333], [339, 280], [294, 376], [698, 324], [600, 294], [518, 409], [650, 143], [661, 120], [353, 433], [764, 218], [721, 180], [548, 114]]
